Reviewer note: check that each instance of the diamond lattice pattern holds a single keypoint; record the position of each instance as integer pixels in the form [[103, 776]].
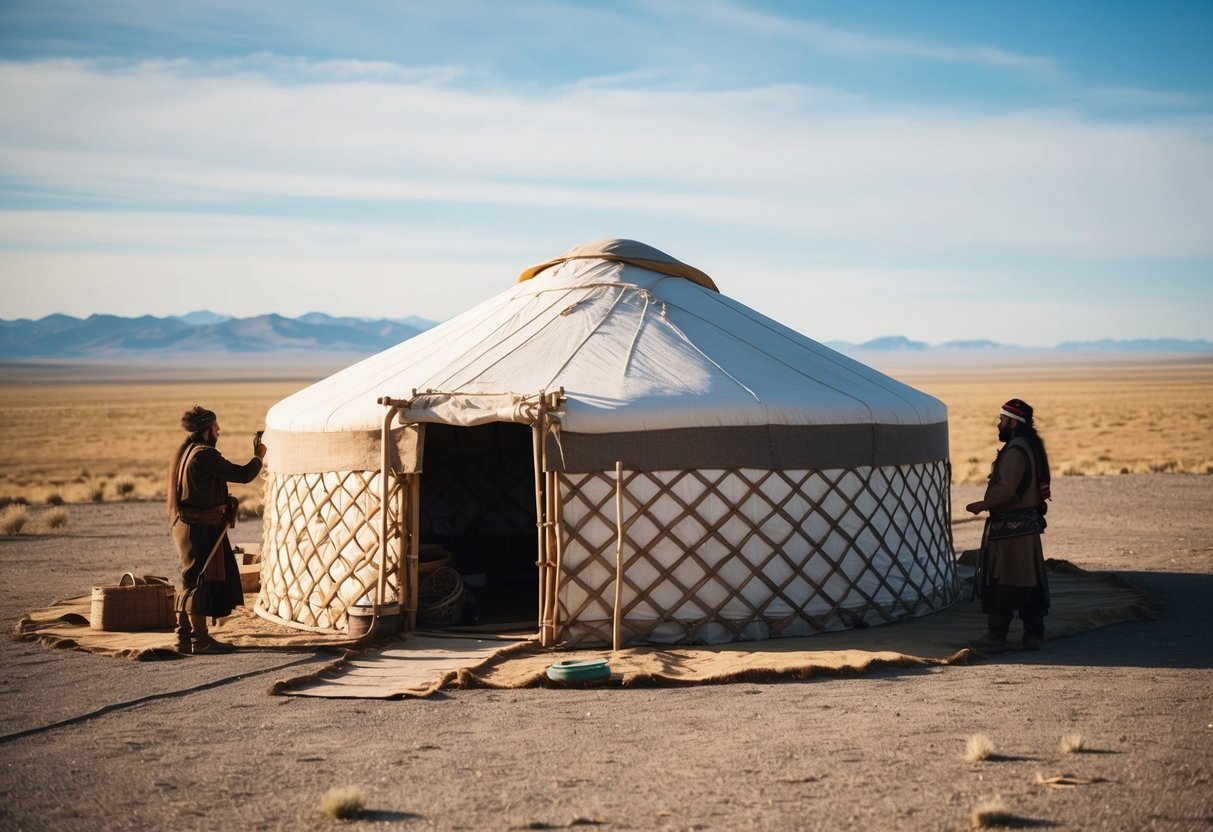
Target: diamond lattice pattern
[[721, 555], [321, 546]]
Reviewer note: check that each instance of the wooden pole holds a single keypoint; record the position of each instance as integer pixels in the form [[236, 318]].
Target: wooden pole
[[384, 504], [618, 555], [414, 486], [537, 438]]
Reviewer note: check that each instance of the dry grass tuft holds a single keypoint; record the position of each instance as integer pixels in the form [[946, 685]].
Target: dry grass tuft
[[344, 802], [52, 518], [978, 747], [13, 518], [990, 813], [125, 488], [1065, 781], [1072, 743]]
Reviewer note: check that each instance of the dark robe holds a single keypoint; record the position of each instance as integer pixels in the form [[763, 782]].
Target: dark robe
[[1012, 570], [202, 520]]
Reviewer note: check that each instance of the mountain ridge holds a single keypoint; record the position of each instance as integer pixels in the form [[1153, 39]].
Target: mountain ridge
[[59, 336], [114, 337]]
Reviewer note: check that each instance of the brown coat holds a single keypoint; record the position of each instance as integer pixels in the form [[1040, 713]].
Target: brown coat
[[1014, 561], [203, 488]]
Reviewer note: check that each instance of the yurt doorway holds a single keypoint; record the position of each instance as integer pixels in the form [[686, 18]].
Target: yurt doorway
[[477, 505]]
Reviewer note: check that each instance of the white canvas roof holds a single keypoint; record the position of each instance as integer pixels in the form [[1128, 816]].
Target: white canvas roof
[[635, 349]]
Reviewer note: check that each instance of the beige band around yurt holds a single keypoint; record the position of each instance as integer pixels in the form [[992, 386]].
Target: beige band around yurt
[[290, 452]]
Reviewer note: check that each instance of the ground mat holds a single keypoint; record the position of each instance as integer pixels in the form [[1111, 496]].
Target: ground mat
[[418, 664], [1081, 601], [65, 624]]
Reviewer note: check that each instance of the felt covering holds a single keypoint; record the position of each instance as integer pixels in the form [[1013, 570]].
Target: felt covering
[[634, 349]]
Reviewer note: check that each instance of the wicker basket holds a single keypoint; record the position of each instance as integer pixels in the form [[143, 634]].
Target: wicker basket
[[133, 604], [440, 598], [431, 558]]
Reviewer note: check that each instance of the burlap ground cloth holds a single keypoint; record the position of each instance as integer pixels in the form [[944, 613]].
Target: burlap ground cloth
[[419, 664], [65, 624], [1081, 601]]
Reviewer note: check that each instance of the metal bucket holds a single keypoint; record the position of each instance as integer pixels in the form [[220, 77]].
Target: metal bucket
[[358, 620]]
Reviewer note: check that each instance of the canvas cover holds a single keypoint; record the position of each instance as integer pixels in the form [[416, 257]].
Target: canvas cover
[[637, 352]]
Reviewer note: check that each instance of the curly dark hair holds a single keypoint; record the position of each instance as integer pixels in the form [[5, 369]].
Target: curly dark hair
[[1028, 431], [196, 421]]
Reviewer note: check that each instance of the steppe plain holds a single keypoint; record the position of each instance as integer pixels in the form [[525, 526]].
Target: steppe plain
[[88, 742]]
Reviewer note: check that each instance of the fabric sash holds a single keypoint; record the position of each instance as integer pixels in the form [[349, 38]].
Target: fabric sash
[[1014, 522]]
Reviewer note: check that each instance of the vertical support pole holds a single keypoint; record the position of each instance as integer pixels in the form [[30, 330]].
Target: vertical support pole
[[557, 522], [385, 492], [549, 582], [538, 438], [413, 484], [402, 519], [618, 555]]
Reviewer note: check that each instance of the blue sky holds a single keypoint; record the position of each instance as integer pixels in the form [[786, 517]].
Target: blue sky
[[1030, 172]]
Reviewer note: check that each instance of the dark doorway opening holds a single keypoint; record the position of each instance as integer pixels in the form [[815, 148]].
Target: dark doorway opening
[[478, 505]]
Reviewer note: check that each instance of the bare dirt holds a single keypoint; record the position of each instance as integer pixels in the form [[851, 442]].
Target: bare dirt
[[197, 743]]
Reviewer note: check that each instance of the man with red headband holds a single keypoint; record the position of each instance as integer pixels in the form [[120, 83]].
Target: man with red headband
[[199, 513], [1011, 570]]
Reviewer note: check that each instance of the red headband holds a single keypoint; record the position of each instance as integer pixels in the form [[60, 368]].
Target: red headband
[[1016, 413]]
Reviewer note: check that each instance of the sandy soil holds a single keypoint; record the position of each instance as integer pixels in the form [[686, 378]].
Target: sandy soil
[[197, 743]]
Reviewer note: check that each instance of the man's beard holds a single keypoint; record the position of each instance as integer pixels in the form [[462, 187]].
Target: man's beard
[[1005, 434], [210, 440]]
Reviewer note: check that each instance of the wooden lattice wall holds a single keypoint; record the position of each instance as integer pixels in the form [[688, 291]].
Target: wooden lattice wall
[[748, 554], [322, 545]]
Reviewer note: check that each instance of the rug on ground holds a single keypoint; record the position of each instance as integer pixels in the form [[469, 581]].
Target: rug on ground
[[421, 663]]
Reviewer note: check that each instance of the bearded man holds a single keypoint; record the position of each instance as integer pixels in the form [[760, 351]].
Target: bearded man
[[200, 511], [1011, 571]]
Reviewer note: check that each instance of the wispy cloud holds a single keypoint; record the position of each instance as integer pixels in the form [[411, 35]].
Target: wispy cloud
[[238, 134], [453, 143], [850, 42]]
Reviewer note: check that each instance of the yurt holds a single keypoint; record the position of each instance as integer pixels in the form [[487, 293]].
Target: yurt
[[611, 450]]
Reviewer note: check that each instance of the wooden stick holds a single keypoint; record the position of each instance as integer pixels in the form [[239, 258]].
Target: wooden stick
[[537, 451], [558, 525], [618, 554]]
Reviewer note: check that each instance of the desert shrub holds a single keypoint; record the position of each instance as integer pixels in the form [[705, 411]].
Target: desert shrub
[[343, 802], [13, 518], [6, 501], [54, 499], [125, 488], [53, 518], [978, 747], [1163, 467], [96, 492], [1072, 743], [990, 813]]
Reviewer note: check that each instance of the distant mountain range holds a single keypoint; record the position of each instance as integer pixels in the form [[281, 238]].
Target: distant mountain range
[[110, 337], [200, 333], [901, 344]]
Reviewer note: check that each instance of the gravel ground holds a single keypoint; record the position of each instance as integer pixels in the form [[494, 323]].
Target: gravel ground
[[93, 743]]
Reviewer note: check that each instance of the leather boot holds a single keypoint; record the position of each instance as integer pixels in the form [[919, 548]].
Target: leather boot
[[201, 641], [184, 631]]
